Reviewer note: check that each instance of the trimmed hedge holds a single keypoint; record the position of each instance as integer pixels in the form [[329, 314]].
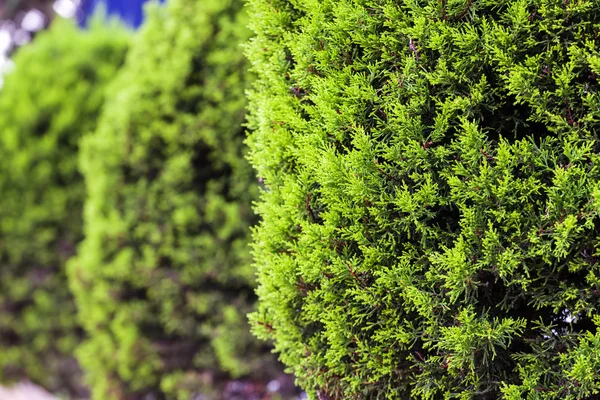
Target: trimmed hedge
[[163, 279], [48, 102], [431, 212]]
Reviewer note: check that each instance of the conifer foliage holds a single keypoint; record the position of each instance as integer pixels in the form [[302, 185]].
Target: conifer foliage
[[53, 97], [163, 279], [430, 216]]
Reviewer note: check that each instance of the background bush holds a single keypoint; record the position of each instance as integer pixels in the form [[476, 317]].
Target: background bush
[[163, 279], [430, 218], [47, 103]]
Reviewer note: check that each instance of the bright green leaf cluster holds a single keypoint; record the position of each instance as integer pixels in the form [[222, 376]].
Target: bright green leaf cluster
[[50, 100], [163, 279], [431, 205]]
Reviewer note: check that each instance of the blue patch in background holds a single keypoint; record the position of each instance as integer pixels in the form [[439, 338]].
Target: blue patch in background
[[131, 12]]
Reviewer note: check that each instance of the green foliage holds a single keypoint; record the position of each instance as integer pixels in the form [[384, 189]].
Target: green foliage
[[51, 99], [163, 279], [431, 206]]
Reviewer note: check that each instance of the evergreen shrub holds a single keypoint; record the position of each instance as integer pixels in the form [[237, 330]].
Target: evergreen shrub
[[51, 98], [163, 279], [430, 219]]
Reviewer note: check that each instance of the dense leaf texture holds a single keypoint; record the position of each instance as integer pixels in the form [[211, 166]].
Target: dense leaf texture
[[48, 102], [431, 212], [163, 279]]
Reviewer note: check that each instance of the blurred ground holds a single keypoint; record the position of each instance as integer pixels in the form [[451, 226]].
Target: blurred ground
[[280, 388], [25, 391]]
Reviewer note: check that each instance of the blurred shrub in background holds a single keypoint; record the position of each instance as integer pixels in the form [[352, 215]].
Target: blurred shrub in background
[[163, 279], [48, 102]]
